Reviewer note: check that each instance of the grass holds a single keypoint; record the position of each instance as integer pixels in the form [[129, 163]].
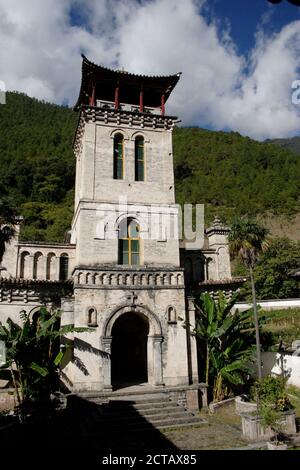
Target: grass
[[283, 324], [294, 396]]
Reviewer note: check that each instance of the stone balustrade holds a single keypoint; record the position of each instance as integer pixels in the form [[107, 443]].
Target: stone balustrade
[[143, 278]]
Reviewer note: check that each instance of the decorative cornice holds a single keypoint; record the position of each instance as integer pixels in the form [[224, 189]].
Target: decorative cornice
[[31, 282], [128, 278], [217, 228], [223, 282], [115, 117]]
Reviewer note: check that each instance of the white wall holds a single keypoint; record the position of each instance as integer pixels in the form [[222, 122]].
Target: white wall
[[291, 366], [274, 304]]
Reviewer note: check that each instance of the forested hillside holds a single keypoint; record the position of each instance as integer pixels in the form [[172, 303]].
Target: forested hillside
[[234, 175], [292, 144], [229, 173], [37, 166]]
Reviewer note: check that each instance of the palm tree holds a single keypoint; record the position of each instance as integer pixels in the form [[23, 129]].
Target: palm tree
[[7, 223], [247, 239]]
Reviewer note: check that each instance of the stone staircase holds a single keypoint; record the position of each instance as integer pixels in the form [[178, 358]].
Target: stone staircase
[[135, 413]]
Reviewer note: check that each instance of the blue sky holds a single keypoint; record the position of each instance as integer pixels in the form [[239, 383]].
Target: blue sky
[[246, 15], [238, 58]]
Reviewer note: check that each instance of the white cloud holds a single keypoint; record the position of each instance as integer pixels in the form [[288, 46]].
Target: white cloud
[[40, 55]]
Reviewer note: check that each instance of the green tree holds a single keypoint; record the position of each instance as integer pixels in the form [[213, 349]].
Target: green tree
[[33, 355], [272, 272], [247, 240], [226, 343]]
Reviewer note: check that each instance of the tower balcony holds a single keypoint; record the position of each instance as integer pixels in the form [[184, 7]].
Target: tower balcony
[[128, 277], [109, 105]]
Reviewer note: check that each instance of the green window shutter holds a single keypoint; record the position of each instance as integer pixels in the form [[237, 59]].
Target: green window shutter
[[139, 159], [118, 157]]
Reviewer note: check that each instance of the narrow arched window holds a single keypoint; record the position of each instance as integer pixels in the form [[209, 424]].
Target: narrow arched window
[[63, 267], [118, 157], [92, 317], [172, 315], [24, 265], [50, 266], [37, 265], [129, 242], [139, 159]]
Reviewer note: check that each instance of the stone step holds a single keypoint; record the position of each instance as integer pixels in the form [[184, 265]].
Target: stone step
[[125, 395], [140, 407], [147, 426], [130, 400], [150, 410], [133, 417]]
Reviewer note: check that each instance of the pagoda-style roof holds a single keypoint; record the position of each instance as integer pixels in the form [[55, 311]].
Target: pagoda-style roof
[[100, 83]]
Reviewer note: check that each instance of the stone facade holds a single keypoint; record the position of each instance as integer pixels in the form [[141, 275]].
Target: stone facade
[[136, 313]]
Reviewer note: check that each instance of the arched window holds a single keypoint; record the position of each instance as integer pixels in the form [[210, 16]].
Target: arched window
[[118, 157], [171, 315], [139, 159], [50, 266], [63, 267], [37, 264], [24, 265], [129, 242], [92, 317]]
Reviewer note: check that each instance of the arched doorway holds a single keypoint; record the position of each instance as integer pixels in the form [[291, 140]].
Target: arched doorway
[[129, 362]]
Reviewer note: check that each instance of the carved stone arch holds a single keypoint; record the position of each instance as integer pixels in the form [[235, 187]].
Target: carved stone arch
[[154, 343], [114, 132], [155, 327], [132, 215], [34, 310], [139, 134]]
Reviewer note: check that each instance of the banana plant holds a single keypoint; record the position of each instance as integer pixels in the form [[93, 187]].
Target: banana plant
[[34, 354], [227, 339]]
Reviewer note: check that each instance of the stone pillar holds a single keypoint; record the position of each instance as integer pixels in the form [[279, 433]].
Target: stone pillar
[[106, 344], [157, 360], [192, 340], [28, 270], [56, 276], [41, 268]]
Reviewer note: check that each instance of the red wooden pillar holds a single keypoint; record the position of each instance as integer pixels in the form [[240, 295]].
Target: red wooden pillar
[[117, 104], [141, 101], [162, 105], [92, 97]]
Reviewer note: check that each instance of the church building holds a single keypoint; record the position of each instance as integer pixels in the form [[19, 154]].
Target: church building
[[122, 271]]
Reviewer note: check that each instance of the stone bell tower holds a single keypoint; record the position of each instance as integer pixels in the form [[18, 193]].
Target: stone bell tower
[[128, 284]]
